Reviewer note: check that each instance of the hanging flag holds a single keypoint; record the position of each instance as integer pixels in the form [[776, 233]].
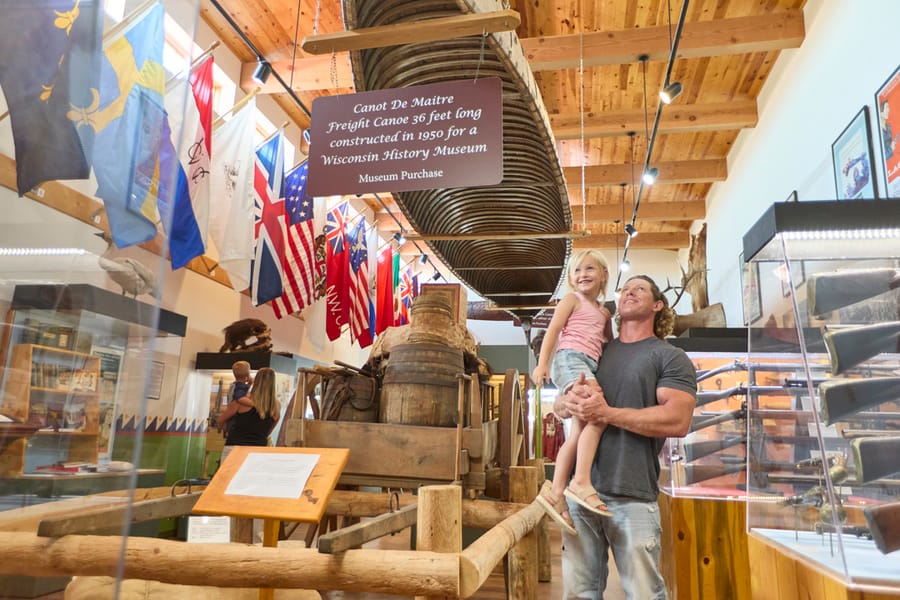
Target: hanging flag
[[192, 100], [398, 318], [50, 53], [360, 314], [125, 120], [406, 295], [269, 227], [232, 168], [299, 264], [174, 205], [337, 266], [384, 289]]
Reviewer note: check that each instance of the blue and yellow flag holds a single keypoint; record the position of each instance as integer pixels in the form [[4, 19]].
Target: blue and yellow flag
[[125, 118], [49, 61]]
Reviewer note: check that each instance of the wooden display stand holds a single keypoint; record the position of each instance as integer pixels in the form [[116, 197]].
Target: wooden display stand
[[308, 508]]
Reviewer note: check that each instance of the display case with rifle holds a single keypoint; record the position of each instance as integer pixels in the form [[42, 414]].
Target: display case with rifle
[[823, 479]]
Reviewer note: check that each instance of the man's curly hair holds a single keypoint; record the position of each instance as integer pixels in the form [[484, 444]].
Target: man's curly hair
[[664, 321]]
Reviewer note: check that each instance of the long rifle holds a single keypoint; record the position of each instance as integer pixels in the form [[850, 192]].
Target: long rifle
[[884, 523], [704, 421], [829, 291], [849, 347], [839, 398], [876, 457], [691, 451]]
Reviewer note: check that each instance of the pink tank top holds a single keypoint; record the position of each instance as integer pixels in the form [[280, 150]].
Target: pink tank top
[[585, 329]]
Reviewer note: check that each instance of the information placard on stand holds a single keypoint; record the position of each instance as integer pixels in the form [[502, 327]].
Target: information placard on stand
[[284, 469]]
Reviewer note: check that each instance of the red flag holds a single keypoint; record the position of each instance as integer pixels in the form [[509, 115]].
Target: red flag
[[384, 286], [299, 260], [337, 266], [358, 289]]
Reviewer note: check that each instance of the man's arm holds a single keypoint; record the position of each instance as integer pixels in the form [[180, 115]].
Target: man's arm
[[670, 418]]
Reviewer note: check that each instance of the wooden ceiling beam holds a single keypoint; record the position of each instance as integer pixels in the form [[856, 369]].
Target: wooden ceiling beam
[[674, 119], [740, 35], [681, 171], [648, 211], [414, 32], [671, 240]]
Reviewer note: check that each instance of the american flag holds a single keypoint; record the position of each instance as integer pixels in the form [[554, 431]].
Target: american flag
[[299, 262], [360, 315]]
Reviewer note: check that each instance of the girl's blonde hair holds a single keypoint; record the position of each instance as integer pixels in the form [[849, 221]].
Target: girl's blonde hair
[[263, 394], [578, 257]]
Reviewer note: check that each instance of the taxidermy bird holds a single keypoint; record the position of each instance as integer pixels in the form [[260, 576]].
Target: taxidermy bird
[[132, 276]]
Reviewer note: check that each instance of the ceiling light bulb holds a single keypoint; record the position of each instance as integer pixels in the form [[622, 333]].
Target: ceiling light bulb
[[262, 72], [399, 238], [625, 266], [650, 175], [630, 230], [436, 276], [423, 259], [670, 92]]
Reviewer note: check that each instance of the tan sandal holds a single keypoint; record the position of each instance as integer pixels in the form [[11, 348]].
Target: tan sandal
[[588, 498], [557, 510]]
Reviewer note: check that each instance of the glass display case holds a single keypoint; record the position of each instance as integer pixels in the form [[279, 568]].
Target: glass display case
[[821, 291], [74, 362]]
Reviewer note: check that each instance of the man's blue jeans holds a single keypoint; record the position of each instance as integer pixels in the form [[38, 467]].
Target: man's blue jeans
[[633, 534]]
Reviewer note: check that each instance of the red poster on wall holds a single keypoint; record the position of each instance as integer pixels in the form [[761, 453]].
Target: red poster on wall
[[441, 135]]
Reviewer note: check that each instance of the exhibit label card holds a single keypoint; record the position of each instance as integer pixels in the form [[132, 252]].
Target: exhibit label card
[[272, 475], [435, 136]]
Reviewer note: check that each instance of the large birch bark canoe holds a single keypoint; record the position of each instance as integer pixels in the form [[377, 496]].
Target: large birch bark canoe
[[532, 196]]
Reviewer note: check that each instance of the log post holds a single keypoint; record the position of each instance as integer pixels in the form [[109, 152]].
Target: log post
[[522, 560], [543, 528], [439, 522]]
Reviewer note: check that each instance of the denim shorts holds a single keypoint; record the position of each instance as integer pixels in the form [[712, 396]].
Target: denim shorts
[[567, 367]]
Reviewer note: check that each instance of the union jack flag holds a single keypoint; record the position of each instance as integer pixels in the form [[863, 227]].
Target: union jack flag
[[269, 227], [337, 267], [406, 295], [360, 315], [299, 263]]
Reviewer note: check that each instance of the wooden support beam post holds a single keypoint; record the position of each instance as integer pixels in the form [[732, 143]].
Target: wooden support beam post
[[414, 32], [439, 523], [522, 560], [545, 571]]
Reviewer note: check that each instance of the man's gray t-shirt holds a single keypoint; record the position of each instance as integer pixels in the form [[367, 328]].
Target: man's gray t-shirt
[[627, 464]]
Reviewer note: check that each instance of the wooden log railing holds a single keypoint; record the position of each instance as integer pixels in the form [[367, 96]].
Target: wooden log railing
[[421, 572]]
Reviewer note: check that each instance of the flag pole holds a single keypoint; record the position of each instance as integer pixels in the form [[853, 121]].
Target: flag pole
[[237, 106], [195, 62], [128, 21]]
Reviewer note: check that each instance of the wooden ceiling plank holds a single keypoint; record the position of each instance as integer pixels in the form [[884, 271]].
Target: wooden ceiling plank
[[671, 240], [312, 73], [674, 119], [741, 35], [682, 171], [649, 211], [417, 32]]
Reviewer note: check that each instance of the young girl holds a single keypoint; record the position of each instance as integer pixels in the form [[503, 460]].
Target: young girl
[[579, 328]]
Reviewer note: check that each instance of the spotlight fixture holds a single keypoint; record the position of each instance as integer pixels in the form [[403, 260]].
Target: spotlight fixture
[[670, 92], [436, 276], [630, 230], [423, 259], [262, 72], [399, 238], [625, 266], [650, 175]]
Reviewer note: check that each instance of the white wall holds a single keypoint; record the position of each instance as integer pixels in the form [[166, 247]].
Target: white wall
[[851, 47]]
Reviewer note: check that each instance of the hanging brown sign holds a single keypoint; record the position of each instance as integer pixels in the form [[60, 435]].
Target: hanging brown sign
[[441, 135]]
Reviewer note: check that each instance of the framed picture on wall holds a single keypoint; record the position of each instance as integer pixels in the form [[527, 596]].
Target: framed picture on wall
[[851, 154], [751, 293], [887, 108]]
